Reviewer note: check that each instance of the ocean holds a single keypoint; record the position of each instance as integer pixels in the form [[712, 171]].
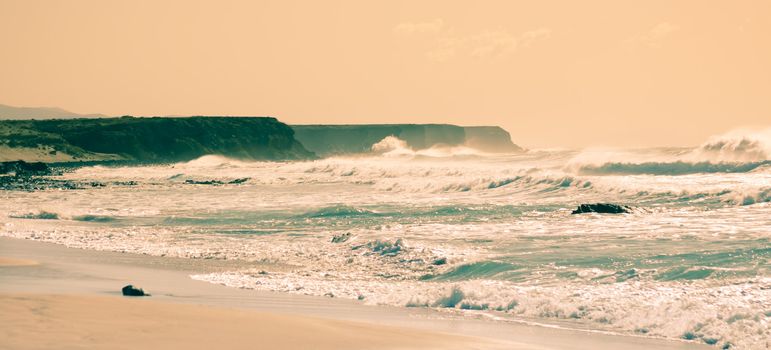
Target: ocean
[[462, 231]]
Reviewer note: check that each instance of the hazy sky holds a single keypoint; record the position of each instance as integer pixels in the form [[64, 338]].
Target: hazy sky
[[566, 73]]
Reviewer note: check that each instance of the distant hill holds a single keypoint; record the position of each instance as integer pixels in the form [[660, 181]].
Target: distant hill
[[10, 112]]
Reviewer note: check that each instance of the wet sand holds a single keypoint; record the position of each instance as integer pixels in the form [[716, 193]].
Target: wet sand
[[57, 297], [8, 262], [109, 322]]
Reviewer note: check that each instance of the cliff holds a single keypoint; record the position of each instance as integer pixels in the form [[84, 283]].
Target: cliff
[[490, 139], [148, 139], [327, 140]]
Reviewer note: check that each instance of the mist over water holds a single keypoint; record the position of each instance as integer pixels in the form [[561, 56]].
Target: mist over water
[[460, 230]]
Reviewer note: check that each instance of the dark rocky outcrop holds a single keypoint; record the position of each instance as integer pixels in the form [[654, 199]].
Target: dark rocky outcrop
[[34, 183], [153, 140], [22, 168], [327, 140], [239, 180], [217, 182], [439, 261], [204, 182], [23, 176], [39, 183], [131, 291], [602, 208]]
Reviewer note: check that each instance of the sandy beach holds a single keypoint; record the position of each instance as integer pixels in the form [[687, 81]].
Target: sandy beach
[[8, 262], [42, 321], [57, 297], [345, 174]]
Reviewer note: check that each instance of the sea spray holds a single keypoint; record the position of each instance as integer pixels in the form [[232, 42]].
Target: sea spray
[[482, 234]]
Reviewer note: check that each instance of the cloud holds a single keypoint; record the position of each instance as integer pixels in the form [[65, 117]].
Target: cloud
[[433, 26], [486, 44], [492, 43], [529, 37], [654, 36], [663, 29]]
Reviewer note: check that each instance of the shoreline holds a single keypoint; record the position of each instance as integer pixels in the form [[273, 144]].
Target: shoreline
[[96, 321], [90, 273]]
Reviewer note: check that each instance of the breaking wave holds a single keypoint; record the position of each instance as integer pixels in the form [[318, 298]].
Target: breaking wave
[[438, 228], [43, 215], [673, 168], [338, 211], [734, 152], [736, 146], [392, 146]]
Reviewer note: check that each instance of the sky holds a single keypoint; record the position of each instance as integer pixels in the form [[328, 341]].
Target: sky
[[552, 73]]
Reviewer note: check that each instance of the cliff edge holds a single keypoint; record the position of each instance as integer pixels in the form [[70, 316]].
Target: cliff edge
[[148, 139], [326, 140]]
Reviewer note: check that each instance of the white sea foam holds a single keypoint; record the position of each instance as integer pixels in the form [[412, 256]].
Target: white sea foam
[[392, 146], [742, 145], [412, 227]]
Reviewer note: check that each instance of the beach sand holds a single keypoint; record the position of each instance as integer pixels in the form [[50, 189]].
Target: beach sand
[[53, 297], [34, 321], [16, 262]]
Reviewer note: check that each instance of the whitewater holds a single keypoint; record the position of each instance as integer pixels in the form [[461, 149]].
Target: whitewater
[[462, 231]]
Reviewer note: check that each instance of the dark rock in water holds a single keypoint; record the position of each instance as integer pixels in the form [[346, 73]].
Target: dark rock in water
[[23, 176], [602, 208], [125, 183], [207, 182], [131, 291], [35, 183], [22, 168], [440, 261], [239, 181]]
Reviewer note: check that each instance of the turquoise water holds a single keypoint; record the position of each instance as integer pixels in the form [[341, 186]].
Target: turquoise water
[[480, 234]]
